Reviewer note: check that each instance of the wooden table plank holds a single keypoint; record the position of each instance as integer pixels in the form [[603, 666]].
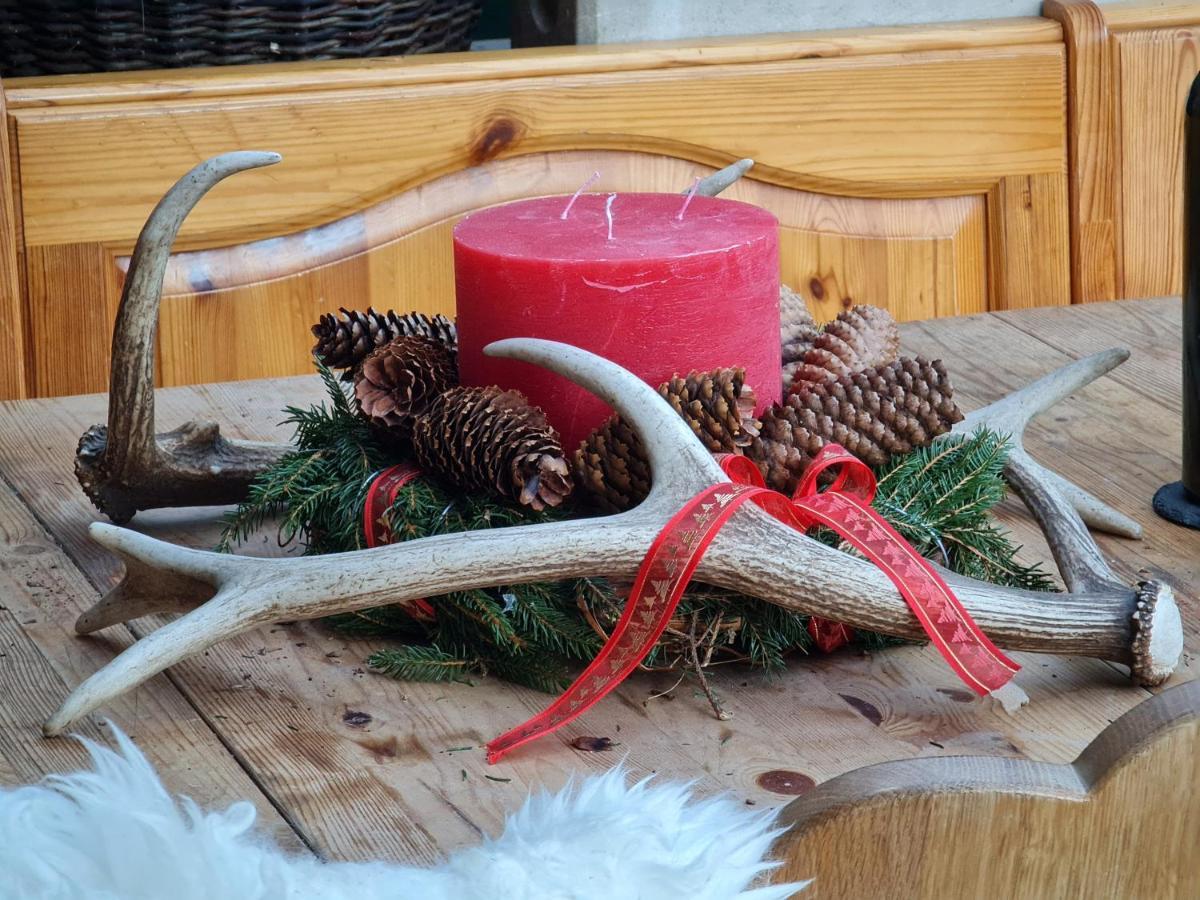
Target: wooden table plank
[[399, 787], [41, 593]]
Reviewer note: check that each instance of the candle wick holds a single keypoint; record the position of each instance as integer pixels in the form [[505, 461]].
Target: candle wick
[[575, 196], [687, 201], [608, 213]]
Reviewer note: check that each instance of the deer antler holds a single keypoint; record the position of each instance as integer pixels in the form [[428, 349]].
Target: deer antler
[[124, 467], [754, 554]]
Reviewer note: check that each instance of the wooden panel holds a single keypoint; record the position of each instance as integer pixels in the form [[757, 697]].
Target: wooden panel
[[875, 126], [72, 291], [892, 174], [1120, 821], [1094, 151], [397, 72], [919, 258], [12, 307], [1029, 242], [1157, 67]]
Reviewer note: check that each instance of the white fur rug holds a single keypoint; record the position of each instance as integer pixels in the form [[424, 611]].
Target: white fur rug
[[114, 833]]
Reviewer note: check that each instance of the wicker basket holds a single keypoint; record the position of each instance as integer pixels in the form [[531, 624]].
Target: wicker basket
[[55, 37]]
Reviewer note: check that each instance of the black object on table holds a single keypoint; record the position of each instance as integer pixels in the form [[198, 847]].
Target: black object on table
[[1179, 501]]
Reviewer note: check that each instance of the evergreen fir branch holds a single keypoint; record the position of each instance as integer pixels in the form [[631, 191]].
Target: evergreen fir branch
[[547, 613], [541, 671], [422, 663]]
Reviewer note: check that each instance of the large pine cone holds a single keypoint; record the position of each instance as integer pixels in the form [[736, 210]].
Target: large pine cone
[[490, 439], [611, 464], [344, 340], [857, 339], [875, 414], [398, 381], [797, 331]]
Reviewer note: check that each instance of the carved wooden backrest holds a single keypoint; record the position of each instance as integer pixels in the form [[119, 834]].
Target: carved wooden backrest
[[920, 169], [1121, 821]]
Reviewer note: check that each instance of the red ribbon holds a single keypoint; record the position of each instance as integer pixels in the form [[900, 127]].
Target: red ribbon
[[381, 494], [676, 552]]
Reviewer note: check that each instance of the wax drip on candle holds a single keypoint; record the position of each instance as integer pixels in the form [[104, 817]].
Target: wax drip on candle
[[608, 213], [575, 196], [687, 201]]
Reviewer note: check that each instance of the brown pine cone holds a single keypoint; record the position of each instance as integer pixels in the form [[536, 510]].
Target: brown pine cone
[[611, 465], [797, 331], [875, 414], [344, 340], [398, 381], [490, 439], [857, 339]]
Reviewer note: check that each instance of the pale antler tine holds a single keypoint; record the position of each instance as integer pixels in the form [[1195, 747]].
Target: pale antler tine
[[680, 464], [159, 577], [221, 617], [711, 185], [1011, 414], [1082, 565], [1095, 512]]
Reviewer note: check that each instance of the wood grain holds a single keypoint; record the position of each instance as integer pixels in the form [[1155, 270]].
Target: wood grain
[[395, 788], [1093, 139], [400, 72], [1143, 14], [42, 591], [13, 381], [953, 123], [1117, 822], [1157, 67], [1029, 242]]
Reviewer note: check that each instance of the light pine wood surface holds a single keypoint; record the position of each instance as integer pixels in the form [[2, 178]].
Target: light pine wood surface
[[265, 715]]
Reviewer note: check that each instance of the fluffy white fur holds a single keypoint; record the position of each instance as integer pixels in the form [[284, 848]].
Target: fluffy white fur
[[114, 833]]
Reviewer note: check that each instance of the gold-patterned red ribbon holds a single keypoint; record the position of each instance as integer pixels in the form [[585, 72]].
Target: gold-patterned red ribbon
[[676, 552], [381, 494]]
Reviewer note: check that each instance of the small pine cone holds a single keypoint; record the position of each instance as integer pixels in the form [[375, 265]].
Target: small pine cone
[[718, 405], [398, 381], [611, 465], [857, 339], [344, 340], [494, 440], [875, 414]]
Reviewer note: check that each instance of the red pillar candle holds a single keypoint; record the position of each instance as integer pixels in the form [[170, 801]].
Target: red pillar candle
[[624, 276]]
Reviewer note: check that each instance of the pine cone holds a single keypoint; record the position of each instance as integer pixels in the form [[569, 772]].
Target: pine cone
[[398, 381], [611, 463], [490, 439], [797, 330], [875, 414], [344, 340], [857, 339]]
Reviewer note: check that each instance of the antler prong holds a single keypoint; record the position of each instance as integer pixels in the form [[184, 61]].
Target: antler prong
[[124, 467], [718, 181], [1011, 414]]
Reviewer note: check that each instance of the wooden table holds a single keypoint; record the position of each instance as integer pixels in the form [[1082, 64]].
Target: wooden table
[[356, 766]]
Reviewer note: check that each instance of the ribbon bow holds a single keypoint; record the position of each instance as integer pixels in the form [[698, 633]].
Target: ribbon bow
[[844, 507]]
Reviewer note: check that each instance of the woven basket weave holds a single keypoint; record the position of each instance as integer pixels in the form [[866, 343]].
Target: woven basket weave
[[56, 37]]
